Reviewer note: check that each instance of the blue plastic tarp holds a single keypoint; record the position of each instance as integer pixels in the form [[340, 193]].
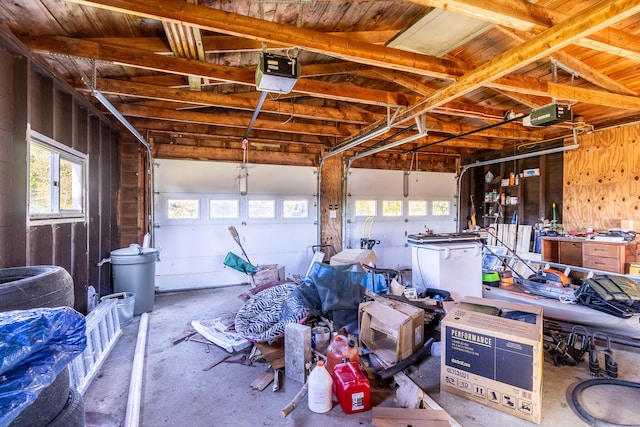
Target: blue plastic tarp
[[35, 345]]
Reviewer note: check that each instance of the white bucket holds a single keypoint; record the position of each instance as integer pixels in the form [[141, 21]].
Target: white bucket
[[126, 303]]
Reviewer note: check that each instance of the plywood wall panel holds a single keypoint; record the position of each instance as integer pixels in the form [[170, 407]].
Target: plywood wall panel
[[602, 180], [331, 201]]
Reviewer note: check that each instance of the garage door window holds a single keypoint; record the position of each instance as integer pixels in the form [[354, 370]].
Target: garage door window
[[263, 209], [417, 208], [183, 209], [295, 209], [57, 180], [223, 209], [365, 207], [392, 208], [441, 207]]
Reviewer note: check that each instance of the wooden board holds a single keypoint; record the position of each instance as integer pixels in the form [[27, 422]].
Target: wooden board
[[273, 353], [602, 180]]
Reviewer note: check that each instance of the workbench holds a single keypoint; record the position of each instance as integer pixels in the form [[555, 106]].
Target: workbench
[[590, 253]]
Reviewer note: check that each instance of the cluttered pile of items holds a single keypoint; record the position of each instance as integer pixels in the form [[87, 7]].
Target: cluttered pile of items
[[344, 324], [348, 325]]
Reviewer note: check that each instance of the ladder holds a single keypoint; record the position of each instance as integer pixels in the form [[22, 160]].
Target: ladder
[[102, 330]]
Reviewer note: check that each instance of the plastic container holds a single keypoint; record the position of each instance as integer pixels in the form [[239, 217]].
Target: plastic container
[[125, 305], [134, 270], [341, 348], [320, 389], [320, 338], [352, 388]]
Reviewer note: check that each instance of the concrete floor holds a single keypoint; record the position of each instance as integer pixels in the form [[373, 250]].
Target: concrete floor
[[178, 391]]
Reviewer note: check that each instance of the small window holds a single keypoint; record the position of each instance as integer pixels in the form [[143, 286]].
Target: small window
[[57, 180], [441, 207], [365, 207], [261, 209], [183, 209], [295, 209], [417, 207], [223, 209], [391, 208]]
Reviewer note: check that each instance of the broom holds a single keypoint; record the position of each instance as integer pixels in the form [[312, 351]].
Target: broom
[[236, 237]]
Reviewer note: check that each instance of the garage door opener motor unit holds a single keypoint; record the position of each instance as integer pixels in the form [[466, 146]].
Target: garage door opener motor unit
[[549, 115], [277, 73]]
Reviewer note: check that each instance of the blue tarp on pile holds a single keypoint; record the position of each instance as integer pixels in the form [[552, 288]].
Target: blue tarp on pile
[[35, 345]]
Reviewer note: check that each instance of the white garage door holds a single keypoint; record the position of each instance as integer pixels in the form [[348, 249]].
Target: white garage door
[[195, 204], [377, 207]]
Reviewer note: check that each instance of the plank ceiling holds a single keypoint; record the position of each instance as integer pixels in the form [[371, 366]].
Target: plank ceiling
[[183, 73]]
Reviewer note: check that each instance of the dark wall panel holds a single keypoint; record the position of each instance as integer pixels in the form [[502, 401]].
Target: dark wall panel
[[31, 96]]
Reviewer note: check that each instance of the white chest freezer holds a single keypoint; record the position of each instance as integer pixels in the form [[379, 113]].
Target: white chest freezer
[[453, 267]]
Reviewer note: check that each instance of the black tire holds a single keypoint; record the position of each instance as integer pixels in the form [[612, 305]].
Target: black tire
[[72, 415], [23, 288], [48, 405]]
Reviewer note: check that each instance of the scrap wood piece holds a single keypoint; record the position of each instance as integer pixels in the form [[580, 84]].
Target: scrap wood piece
[[263, 380], [242, 359], [188, 333], [393, 417], [296, 400], [217, 362], [410, 395], [199, 338], [273, 353]]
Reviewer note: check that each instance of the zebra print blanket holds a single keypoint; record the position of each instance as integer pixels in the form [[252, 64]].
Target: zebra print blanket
[[263, 317]]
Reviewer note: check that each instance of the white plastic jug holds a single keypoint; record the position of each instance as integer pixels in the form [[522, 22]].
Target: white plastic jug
[[320, 389]]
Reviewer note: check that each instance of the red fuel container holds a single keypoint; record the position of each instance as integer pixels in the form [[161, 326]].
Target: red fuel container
[[352, 388]]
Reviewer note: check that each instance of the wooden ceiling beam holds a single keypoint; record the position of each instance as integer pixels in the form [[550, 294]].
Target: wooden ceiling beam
[[596, 97], [252, 28], [525, 16], [585, 71], [519, 15], [580, 25], [222, 119], [132, 89], [176, 151], [169, 64], [230, 44]]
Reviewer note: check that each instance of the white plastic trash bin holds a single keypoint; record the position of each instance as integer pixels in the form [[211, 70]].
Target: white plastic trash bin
[[134, 270]]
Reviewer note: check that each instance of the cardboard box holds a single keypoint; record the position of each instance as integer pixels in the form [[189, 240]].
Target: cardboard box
[[393, 417], [492, 354], [269, 273], [354, 256], [393, 331]]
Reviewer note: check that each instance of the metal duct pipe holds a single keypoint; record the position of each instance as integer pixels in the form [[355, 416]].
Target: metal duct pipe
[[112, 109]]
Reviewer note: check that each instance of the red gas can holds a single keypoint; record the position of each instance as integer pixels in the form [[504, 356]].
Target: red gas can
[[352, 388]]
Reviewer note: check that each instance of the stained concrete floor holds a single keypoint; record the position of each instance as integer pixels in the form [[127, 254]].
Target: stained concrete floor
[[178, 390]]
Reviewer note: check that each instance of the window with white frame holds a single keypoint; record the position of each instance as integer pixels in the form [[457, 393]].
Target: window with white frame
[[295, 209], [365, 207], [57, 180], [417, 208], [392, 208], [183, 208], [441, 207], [224, 209], [263, 209]]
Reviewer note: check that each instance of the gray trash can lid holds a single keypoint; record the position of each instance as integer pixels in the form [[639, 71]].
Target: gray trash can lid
[[133, 250]]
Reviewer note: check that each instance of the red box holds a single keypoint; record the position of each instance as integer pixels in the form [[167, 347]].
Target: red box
[[352, 388]]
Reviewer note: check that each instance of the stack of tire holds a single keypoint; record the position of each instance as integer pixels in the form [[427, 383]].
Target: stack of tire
[[24, 288]]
